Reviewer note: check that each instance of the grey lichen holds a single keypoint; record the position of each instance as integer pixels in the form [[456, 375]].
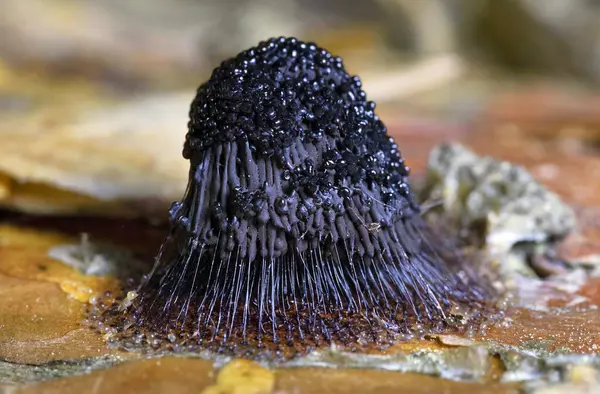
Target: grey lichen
[[26, 373], [465, 363], [551, 372], [503, 202], [511, 203]]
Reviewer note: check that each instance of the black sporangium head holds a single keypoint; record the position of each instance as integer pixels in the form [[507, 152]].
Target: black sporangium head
[[298, 226]]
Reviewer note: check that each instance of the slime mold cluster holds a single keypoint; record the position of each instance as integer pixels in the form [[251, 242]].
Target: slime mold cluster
[[298, 227]]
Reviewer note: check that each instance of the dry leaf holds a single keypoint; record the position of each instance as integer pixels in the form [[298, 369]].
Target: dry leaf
[[95, 159]]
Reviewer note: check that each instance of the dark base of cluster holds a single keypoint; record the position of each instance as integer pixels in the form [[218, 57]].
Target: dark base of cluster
[[290, 305], [346, 331]]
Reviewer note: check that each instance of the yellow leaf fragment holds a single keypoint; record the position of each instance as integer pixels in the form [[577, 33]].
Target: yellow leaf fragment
[[242, 377]]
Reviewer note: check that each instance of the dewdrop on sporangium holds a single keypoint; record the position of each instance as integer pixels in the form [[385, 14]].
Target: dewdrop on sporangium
[[298, 228]]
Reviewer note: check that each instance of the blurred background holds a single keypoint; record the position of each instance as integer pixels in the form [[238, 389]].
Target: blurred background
[[94, 94]]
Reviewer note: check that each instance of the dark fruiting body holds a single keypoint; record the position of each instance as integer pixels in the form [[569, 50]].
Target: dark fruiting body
[[298, 226]]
